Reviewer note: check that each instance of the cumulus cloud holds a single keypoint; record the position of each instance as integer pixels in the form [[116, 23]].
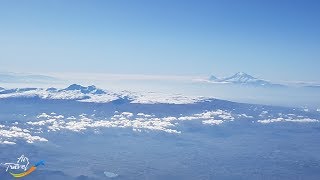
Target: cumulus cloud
[[245, 116], [137, 122], [7, 142], [118, 120], [303, 120], [209, 115], [212, 122], [10, 134], [263, 113]]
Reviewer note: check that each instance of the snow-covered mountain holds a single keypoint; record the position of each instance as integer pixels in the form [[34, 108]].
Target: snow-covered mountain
[[85, 90], [96, 95], [243, 79]]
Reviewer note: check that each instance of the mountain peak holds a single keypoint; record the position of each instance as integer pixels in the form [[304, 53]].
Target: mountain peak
[[213, 78], [75, 87], [242, 74], [86, 90], [242, 78]]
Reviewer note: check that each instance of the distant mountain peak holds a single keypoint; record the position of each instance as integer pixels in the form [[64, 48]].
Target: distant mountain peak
[[241, 74], [244, 79], [213, 78], [240, 77], [86, 90], [76, 87]]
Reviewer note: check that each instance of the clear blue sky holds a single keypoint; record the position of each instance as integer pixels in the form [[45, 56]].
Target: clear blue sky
[[272, 39]]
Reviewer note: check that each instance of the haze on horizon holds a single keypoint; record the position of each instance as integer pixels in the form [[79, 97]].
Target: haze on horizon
[[274, 40]]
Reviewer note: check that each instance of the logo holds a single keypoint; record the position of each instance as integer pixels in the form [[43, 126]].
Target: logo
[[21, 165]]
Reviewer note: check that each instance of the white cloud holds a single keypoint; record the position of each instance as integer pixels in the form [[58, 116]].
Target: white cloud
[[118, 120], [266, 121], [163, 98], [212, 122], [263, 113], [137, 122], [43, 115], [302, 120], [7, 142], [280, 119], [71, 118], [245, 116], [218, 114], [13, 133], [145, 115]]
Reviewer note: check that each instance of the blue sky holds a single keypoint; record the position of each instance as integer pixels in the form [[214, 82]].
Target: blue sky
[[274, 39]]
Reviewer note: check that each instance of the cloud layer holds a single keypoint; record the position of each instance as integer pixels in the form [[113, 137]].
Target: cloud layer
[[31, 131]]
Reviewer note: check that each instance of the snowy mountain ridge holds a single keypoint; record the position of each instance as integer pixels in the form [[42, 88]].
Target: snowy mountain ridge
[[96, 95]]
